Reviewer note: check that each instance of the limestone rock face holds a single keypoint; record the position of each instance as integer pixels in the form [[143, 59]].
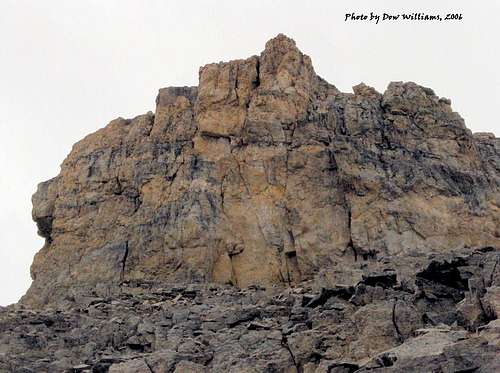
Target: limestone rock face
[[266, 174]]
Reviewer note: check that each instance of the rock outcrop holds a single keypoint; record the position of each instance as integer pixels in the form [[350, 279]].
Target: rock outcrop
[[264, 174], [372, 220], [381, 324]]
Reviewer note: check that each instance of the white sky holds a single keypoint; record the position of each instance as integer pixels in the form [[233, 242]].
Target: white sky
[[68, 67]]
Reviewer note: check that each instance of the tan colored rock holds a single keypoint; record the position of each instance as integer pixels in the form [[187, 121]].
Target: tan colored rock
[[266, 174], [224, 94]]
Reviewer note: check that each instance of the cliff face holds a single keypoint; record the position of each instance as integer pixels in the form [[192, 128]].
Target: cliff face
[[267, 174], [378, 213]]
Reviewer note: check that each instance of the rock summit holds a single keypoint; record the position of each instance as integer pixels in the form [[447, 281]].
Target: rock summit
[[266, 221]]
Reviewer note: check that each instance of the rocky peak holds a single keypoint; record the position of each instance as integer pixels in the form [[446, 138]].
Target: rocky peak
[[266, 174], [283, 67], [264, 221], [280, 44]]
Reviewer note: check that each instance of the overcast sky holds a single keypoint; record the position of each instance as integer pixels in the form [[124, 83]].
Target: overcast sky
[[68, 67]]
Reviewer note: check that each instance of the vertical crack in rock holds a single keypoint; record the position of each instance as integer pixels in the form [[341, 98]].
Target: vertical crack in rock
[[234, 277], [148, 366], [284, 343], [292, 267], [345, 191], [350, 244], [484, 311], [240, 174], [221, 193], [257, 81], [236, 84], [137, 201], [294, 274], [288, 279], [124, 262], [394, 321]]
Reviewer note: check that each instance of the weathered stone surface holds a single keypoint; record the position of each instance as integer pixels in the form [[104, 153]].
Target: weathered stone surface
[[264, 174], [164, 327], [266, 222]]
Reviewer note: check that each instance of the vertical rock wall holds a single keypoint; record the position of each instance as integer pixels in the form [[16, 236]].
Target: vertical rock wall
[[266, 174]]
